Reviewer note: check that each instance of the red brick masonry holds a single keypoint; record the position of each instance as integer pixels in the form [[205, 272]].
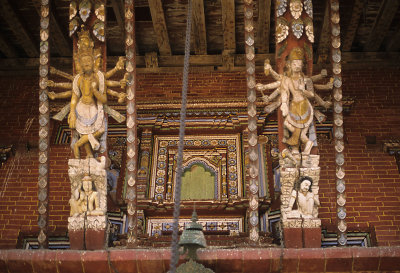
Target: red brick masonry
[[355, 259]]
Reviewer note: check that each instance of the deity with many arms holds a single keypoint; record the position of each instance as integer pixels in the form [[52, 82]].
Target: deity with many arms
[[90, 87], [295, 90]]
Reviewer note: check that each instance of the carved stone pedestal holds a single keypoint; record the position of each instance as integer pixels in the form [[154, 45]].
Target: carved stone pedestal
[[87, 225], [302, 233]]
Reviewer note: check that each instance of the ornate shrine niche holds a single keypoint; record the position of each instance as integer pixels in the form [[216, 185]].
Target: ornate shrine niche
[[219, 155]]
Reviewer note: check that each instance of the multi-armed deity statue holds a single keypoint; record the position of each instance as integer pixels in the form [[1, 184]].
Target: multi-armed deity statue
[[294, 94], [88, 91]]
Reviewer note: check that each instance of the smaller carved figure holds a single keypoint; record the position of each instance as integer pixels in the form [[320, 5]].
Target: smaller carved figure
[[307, 202], [86, 200]]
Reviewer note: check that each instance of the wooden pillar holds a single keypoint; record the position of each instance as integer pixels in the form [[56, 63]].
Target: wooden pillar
[[338, 122], [253, 181], [44, 127], [131, 123]]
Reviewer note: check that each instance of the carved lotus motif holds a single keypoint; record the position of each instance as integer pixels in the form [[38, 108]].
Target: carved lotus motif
[[297, 28], [310, 31], [308, 7], [282, 30], [72, 10], [100, 11], [281, 7], [296, 7], [98, 30], [84, 9]]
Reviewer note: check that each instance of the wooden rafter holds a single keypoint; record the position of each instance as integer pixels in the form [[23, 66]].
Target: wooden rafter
[[7, 49], [199, 27], [228, 25], [22, 35], [394, 44], [264, 19], [160, 27], [353, 25], [383, 20], [58, 38], [118, 14], [323, 45]]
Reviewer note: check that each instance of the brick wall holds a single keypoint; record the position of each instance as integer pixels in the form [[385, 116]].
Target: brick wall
[[372, 178]]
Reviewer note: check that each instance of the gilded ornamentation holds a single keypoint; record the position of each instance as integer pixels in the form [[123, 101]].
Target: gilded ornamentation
[[297, 28], [309, 30], [280, 7], [282, 29], [308, 8], [85, 7], [296, 8], [88, 96]]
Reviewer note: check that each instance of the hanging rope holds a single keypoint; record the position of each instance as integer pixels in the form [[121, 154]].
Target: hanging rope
[[174, 245]]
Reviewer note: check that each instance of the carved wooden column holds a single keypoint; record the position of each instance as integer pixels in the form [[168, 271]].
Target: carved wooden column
[[253, 181], [131, 123], [338, 121], [145, 159], [44, 122], [294, 33]]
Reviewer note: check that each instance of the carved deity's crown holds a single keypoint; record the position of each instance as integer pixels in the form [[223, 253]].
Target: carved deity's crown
[[85, 43], [297, 53]]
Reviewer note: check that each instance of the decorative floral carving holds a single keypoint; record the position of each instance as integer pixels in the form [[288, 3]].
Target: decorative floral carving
[[296, 8], [308, 7], [309, 30], [297, 28], [282, 29], [280, 7]]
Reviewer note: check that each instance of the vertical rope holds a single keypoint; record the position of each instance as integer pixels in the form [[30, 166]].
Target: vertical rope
[[44, 126], [175, 226]]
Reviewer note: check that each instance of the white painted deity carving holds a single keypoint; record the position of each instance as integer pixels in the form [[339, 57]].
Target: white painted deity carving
[[86, 200], [293, 92], [307, 202]]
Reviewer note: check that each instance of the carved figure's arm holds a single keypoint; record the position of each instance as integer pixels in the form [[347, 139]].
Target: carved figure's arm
[[99, 96], [268, 69], [285, 99], [118, 66], [63, 95], [55, 71], [262, 87], [120, 95], [327, 86], [321, 102], [72, 114], [65, 85], [316, 200], [112, 83], [320, 76], [292, 199]]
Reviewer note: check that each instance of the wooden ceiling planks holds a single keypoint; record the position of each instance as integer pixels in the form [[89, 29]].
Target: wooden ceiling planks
[[20, 32], [383, 20], [199, 27], [264, 25]]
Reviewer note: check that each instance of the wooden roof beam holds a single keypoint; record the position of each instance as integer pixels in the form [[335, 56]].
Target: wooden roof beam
[[57, 36], [353, 25], [383, 20], [394, 44], [199, 27], [228, 25], [324, 40], [22, 35], [7, 49], [118, 14], [160, 27], [264, 19]]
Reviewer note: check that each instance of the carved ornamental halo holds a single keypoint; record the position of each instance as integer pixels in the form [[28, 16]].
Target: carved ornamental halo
[[296, 8]]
